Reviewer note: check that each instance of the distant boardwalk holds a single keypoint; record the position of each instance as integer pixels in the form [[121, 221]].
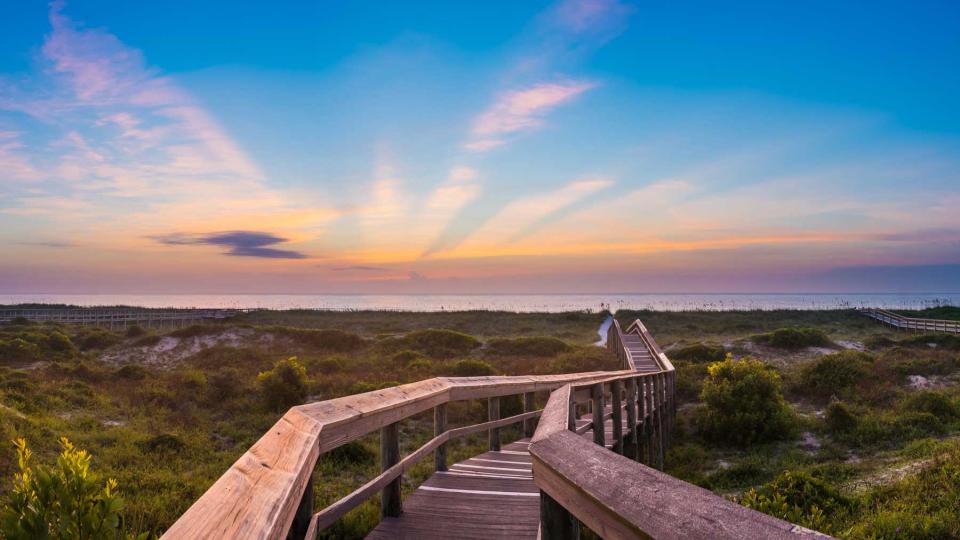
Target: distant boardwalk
[[115, 317], [910, 323]]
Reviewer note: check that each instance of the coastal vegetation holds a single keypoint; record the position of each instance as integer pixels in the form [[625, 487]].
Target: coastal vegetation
[[843, 432]]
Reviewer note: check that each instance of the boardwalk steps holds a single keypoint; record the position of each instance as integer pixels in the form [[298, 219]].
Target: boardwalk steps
[[564, 473]]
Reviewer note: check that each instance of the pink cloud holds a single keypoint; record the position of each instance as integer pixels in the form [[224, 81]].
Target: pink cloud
[[521, 110]]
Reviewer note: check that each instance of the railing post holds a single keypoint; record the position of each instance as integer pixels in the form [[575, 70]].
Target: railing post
[[572, 414], [493, 413], [596, 393], [529, 425], [616, 404], [390, 456], [648, 417], [439, 426], [658, 412], [630, 449], [301, 520], [556, 522]]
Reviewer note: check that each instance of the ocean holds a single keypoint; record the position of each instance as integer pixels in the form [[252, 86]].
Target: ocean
[[498, 302]]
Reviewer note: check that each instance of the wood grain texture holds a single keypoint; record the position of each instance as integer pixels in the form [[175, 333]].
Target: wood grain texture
[[620, 499]]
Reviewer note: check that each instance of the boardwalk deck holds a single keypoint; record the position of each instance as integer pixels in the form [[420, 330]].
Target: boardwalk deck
[[488, 496]]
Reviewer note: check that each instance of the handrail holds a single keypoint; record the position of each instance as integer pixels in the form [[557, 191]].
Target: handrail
[[259, 496], [612, 492]]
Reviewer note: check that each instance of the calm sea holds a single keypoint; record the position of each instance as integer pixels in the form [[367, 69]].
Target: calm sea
[[505, 302]]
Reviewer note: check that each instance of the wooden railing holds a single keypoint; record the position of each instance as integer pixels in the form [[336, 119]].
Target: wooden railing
[[614, 493], [115, 316], [909, 323], [268, 492]]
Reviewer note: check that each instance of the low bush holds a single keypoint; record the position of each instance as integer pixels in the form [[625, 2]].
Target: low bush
[[285, 385], [748, 472], [888, 429], [67, 501], [404, 357], [839, 419], [91, 338], [18, 351], [794, 338], [584, 359], [164, 442], [538, 346], [744, 404], [699, 353], [433, 343], [321, 340], [328, 365], [422, 365], [361, 387], [225, 384], [835, 374], [942, 341], [690, 378], [134, 372], [798, 498], [471, 368], [936, 403]]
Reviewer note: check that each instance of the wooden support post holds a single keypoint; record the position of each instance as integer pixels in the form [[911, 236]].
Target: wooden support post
[[596, 393], [572, 415], [556, 522], [530, 424], [493, 410], [630, 449], [616, 406], [648, 419], [301, 520], [439, 426], [658, 412], [390, 456]]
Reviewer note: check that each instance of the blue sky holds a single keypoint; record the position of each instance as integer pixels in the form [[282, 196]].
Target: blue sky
[[580, 145]]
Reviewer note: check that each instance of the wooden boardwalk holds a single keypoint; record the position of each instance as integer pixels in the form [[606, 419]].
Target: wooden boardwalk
[[488, 496]]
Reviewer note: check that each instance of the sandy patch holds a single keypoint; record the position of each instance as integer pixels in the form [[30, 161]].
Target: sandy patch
[[170, 351]]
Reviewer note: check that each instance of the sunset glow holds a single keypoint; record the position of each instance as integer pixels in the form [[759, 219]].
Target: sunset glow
[[581, 146]]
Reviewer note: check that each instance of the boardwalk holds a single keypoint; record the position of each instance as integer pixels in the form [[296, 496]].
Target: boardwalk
[[592, 457], [488, 496], [900, 322]]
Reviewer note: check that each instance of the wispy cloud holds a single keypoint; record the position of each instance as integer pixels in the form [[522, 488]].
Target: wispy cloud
[[360, 268], [241, 243], [521, 110]]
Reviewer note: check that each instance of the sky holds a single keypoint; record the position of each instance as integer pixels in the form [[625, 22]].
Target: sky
[[479, 147]]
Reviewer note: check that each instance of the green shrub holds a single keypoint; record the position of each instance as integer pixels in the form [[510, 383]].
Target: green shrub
[[134, 372], [839, 419], [699, 353], [422, 365], [224, 384], [798, 498], [192, 381], [794, 338], [96, 338], [361, 387], [18, 351], [328, 365], [690, 378], [165, 442], [59, 342], [938, 404], [67, 501], [285, 385], [887, 430], [584, 359], [21, 321], [471, 368], [835, 374], [406, 356], [434, 343], [321, 340], [537, 346], [352, 453], [744, 404]]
